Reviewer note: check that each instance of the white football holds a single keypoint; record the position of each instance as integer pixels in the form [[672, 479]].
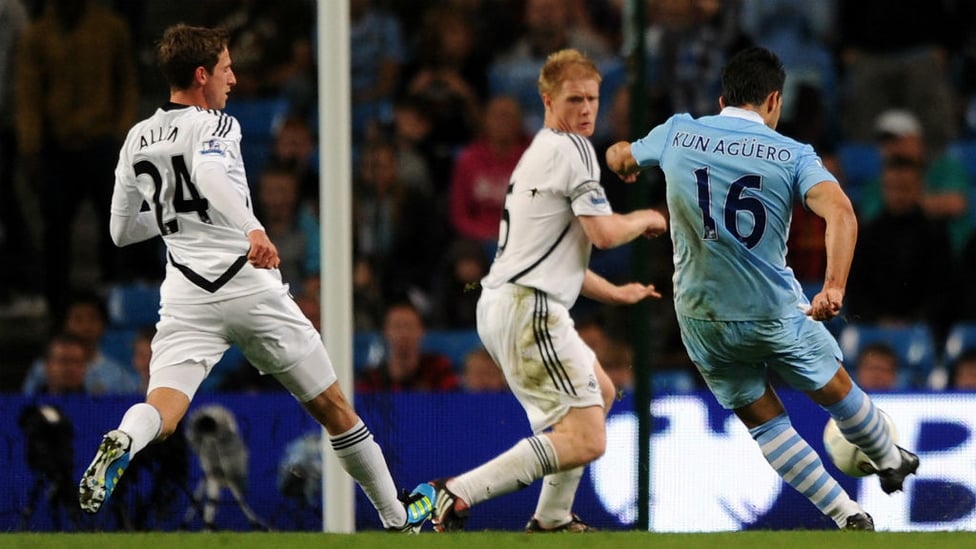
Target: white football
[[849, 459]]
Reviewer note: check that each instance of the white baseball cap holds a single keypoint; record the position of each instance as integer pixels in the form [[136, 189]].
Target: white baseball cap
[[897, 123]]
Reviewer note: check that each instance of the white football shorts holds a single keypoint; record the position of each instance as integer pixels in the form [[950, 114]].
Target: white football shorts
[[548, 366], [269, 328]]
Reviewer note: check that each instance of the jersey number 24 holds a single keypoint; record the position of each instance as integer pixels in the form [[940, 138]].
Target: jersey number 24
[[169, 198]]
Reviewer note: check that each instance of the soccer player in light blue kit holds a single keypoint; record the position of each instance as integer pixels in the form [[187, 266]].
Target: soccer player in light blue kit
[[732, 181]]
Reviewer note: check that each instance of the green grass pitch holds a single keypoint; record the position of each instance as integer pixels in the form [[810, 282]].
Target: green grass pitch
[[494, 540]]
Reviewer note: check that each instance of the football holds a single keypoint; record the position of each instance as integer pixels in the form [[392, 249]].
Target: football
[[849, 459]]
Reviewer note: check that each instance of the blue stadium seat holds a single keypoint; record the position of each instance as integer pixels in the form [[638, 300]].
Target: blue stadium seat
[[259, 119], [961, 338], [965, 152], [454, 344], [861, 163], [914, 345], [117, 344], [367, 349], [133, 306]]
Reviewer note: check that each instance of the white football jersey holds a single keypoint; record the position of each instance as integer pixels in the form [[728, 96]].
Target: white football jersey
[[206, 254], [541, 243]]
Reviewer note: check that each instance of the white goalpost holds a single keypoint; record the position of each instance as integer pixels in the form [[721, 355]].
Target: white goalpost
[[335, 207]]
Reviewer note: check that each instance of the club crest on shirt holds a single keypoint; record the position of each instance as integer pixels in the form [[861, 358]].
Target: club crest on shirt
[[212, 147]]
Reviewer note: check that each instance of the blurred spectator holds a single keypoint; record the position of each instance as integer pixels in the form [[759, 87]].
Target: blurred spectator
[[264, 37], [15, 238], [406, 367], [593, 331], [687, 43], [547, 27], [456, 299], [64, 367], [483, 171], [87, 319], [963, 371], [449, 79], [614, 354], [965, 300], [367, 296], [802, 34], [481, 374], [394, 225], [411, 137], [296, 78], [141, 354], [310, 301], [877, 368], [297, 239], [617, 362], [76, 97], [894, 55], [902, 259], [294, 148], [946, 193], [377, 54]]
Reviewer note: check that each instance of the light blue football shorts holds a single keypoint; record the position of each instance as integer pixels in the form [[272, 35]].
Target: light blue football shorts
[[733, 356]]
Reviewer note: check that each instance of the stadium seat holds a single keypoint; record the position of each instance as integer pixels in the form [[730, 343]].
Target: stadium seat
[[133, 306], [861, 163], [965, 152], [367, 349], [961, 338], [117, 344], [914, 345], [454, 344], [259, 120]]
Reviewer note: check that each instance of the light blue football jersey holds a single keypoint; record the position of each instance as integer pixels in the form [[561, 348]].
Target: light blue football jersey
[[732, 183]]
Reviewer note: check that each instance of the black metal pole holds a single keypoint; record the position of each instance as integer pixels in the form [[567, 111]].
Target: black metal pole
[[639, 196]]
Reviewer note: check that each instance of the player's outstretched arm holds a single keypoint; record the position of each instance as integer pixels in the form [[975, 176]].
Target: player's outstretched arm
[[600, 289], [828, 200], [610, 231]]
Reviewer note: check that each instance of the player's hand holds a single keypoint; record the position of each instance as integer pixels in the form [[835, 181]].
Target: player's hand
[[826, 304], [628, 294], [263, 253], [657, 224]]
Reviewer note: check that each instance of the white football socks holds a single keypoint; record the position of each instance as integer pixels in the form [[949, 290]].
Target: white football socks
[[530, 459], [555, 506], [142, 423], [363, 459]]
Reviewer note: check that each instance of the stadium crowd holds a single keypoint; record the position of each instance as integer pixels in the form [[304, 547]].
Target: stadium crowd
[[444, 103]]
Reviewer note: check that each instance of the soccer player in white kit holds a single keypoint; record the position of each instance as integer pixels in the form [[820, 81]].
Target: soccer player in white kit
[[222, 285], [555, 210]]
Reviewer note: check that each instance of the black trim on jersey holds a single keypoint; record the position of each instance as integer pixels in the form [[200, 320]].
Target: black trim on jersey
[[223, 126], [545, 255], [170, 106], [583, 151], [543, 340], [203, 282], [351, 439]]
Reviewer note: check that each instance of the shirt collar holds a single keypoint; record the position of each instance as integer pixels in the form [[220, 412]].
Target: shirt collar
[[746, 114]]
